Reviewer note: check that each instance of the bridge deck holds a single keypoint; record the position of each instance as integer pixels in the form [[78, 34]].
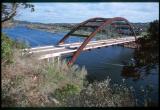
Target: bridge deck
[[45, 52]]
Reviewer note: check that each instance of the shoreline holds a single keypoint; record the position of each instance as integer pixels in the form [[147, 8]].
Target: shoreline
[[131, 45]]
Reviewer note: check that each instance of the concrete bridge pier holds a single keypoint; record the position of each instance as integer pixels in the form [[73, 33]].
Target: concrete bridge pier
[[58, 60], [54, 59]]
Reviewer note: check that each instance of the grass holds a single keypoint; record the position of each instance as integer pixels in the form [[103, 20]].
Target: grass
[[28, 82]]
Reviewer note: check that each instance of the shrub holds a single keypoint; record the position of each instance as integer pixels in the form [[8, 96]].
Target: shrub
[[103, 94], [65, 92], [29, 82], [6, 51], [8, 46]]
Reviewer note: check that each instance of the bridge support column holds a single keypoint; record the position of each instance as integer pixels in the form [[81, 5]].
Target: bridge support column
[[48, 59], [53, 60], [58, 60]]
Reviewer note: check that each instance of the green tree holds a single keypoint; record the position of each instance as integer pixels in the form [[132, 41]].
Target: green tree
[[152, 37], [7, 47], [153, 31], [147, 55]]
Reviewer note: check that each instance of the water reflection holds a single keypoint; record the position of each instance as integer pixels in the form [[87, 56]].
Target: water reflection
[[129, 71], [146, 58]]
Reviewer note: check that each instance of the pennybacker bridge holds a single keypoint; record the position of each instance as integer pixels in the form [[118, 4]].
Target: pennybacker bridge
[[74, 49]]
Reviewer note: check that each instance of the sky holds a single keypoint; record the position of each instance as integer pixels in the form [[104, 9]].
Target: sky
[[78, 12]]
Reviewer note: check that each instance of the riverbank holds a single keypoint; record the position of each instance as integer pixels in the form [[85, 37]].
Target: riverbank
[[132, 45], [8, 24], [53, 27]]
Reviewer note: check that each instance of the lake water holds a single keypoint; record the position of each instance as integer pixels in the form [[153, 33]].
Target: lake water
[[100, 63]]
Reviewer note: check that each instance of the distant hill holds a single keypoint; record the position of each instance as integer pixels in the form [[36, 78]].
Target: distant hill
[[44, 24], [143, 26], [54, 27]]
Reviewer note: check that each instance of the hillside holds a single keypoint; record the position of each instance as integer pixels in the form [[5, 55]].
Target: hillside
[[56, 27]]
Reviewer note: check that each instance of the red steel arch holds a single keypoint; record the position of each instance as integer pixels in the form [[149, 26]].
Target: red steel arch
[[105, 22]]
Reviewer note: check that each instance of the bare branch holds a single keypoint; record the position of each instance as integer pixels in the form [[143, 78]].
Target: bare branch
[[11, 14]]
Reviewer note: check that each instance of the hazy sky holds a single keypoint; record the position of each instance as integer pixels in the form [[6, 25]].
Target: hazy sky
[[78, 12]]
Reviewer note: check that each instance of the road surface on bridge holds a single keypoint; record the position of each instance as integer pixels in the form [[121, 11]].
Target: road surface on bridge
[[46, 52]]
